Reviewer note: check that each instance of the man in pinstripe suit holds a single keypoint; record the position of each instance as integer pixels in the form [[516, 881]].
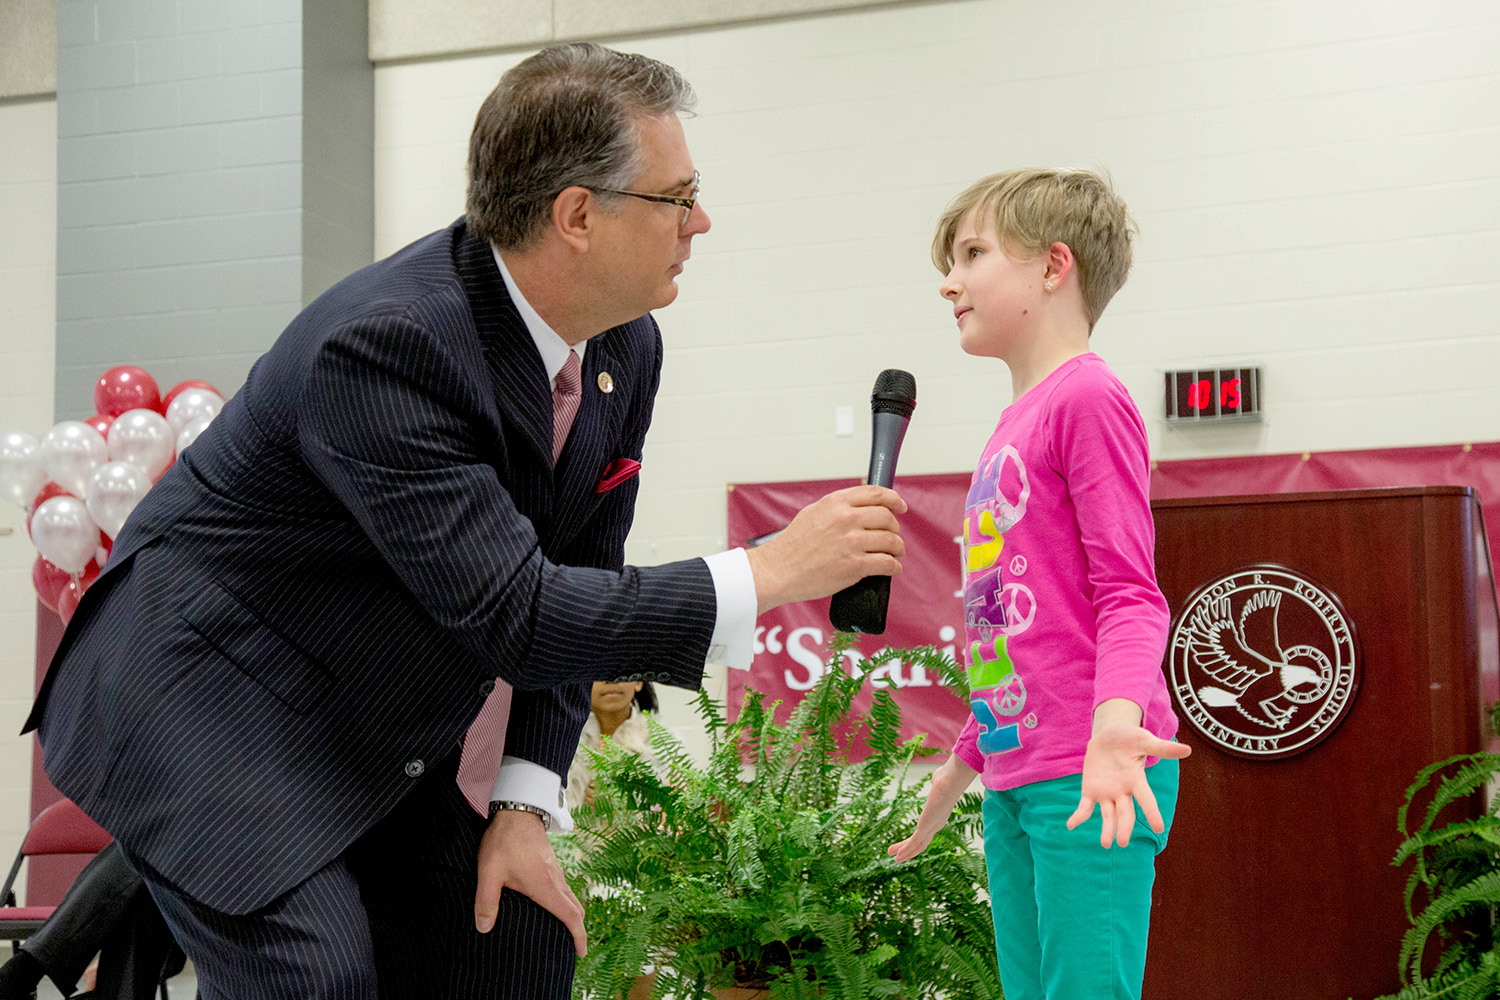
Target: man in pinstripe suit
[[264, 695]]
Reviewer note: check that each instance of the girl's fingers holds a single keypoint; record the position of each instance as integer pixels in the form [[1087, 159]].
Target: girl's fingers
[[1147, 799], [1084, 811], [1125, 810]]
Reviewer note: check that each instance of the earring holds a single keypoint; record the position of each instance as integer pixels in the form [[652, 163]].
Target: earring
[[1047, 285]]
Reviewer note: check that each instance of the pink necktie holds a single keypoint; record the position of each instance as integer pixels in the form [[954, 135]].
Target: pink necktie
[[484, 744]]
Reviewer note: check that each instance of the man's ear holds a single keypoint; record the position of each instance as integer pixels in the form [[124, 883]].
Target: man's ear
[[1060, 262], [572, 220]]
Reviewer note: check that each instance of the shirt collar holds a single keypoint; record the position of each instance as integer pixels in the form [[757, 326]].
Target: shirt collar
[[553, 349]]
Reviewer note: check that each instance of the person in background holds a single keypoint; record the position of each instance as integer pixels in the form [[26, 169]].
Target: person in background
[[1070, 707], [617, 710], [107, 909]]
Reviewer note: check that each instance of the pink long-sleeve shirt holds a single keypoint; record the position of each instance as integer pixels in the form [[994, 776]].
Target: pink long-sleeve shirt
[[1061, 606]]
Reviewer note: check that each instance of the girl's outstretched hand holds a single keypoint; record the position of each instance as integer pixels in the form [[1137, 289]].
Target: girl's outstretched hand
[[1114, 772], [949, 783]]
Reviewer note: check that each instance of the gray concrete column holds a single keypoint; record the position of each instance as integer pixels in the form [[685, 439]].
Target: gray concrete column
[[215, 172]]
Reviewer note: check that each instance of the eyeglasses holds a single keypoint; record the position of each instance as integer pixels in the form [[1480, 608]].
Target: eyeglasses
[[686, 204]]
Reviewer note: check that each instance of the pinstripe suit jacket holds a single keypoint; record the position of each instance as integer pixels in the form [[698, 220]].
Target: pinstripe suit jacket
[[310, 606]]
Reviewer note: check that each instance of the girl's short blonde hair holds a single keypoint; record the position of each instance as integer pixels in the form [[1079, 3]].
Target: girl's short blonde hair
[[1035, 207]]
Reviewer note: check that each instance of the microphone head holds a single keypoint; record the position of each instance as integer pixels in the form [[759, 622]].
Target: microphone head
[[895, 392]]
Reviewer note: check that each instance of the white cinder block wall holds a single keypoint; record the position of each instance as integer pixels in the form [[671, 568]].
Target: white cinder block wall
[[1316, 186], [28, 253]]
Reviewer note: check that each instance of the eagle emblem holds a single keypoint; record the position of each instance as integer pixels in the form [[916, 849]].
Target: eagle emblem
[[1262, 661]]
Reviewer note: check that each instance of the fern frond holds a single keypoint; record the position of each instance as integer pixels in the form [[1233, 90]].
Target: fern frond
[[1484, 890]]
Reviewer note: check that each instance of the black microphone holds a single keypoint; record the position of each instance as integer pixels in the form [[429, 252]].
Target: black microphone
[[861, 608]]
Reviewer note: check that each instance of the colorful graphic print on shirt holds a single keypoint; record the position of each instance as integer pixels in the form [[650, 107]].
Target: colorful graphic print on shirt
[[996, 608]]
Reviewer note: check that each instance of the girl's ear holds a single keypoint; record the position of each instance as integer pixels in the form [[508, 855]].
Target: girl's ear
[[1060, 263]]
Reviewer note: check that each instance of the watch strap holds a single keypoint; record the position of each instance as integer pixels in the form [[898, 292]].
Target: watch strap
[[497, 805]]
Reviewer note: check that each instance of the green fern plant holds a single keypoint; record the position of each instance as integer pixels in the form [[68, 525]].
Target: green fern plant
[[1454, 886], [766, 866]]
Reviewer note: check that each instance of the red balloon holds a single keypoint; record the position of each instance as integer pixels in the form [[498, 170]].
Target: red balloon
[[100, 423], [57, 589], [48, 492], [67, 601], [48, 581], [126, 387], [191, 383]]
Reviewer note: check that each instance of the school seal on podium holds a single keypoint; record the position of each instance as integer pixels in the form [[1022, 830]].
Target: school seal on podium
[[1263, 662]]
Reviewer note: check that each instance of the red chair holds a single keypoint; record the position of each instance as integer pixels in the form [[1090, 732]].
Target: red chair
[[61, 828]]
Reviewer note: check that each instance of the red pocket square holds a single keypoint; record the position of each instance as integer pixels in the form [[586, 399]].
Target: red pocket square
[[618, 471]]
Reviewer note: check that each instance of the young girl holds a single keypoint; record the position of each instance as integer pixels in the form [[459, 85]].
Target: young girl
[[1065, 626], [618, 711]]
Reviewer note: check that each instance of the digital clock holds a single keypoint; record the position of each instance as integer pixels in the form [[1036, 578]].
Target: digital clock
[[1213, 395]]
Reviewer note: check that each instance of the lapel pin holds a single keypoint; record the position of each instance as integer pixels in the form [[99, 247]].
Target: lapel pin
[[606, 383]]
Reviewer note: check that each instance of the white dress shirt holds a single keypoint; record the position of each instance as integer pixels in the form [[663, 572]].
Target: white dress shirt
[[734, 592]]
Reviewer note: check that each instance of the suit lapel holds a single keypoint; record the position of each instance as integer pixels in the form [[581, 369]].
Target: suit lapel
[[521, 388]]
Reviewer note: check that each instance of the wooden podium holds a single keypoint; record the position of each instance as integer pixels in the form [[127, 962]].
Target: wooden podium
[[1276, 881]]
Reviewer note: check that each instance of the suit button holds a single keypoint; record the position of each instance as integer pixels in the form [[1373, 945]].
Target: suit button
[[486, 688], [414, 768]]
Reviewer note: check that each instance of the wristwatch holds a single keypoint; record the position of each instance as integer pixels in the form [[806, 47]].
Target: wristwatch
[[498, 804]]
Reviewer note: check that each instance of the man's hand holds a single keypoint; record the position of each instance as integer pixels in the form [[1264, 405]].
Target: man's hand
[[1114, 772], [831, 543], [515, 854]]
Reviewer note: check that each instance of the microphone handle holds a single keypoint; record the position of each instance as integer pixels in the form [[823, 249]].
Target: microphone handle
[[862, 606], [887, 432]]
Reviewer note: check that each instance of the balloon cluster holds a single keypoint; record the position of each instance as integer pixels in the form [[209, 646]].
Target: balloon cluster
[[80, 482]]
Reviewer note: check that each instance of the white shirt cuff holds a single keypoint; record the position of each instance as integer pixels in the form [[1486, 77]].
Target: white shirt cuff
[[522, 781], [734, 622]]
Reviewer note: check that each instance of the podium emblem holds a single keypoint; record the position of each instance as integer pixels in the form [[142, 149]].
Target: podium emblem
[[1263, 662]]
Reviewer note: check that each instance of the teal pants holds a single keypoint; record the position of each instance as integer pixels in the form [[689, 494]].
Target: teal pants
[[1071, 918]]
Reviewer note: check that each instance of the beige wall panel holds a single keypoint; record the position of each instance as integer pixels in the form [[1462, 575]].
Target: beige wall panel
[[28, 48], [417, 29], [593, 18], [409, 29]]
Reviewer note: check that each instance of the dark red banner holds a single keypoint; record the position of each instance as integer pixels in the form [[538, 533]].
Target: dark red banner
[[791, 642], [925, 610]]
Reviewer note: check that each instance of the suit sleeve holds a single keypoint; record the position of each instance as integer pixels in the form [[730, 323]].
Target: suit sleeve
[[545, 724], [388, 423]]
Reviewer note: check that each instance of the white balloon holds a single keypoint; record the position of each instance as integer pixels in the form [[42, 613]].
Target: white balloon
[[21, 473], [190, 432], [193, 404], [64, 534], [114, 490], [144, 439], [71, 452]]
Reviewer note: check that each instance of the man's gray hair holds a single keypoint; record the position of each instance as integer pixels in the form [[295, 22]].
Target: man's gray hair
[[566, 116]]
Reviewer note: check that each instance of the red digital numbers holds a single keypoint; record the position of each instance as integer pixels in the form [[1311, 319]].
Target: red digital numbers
[[1200, 395]]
